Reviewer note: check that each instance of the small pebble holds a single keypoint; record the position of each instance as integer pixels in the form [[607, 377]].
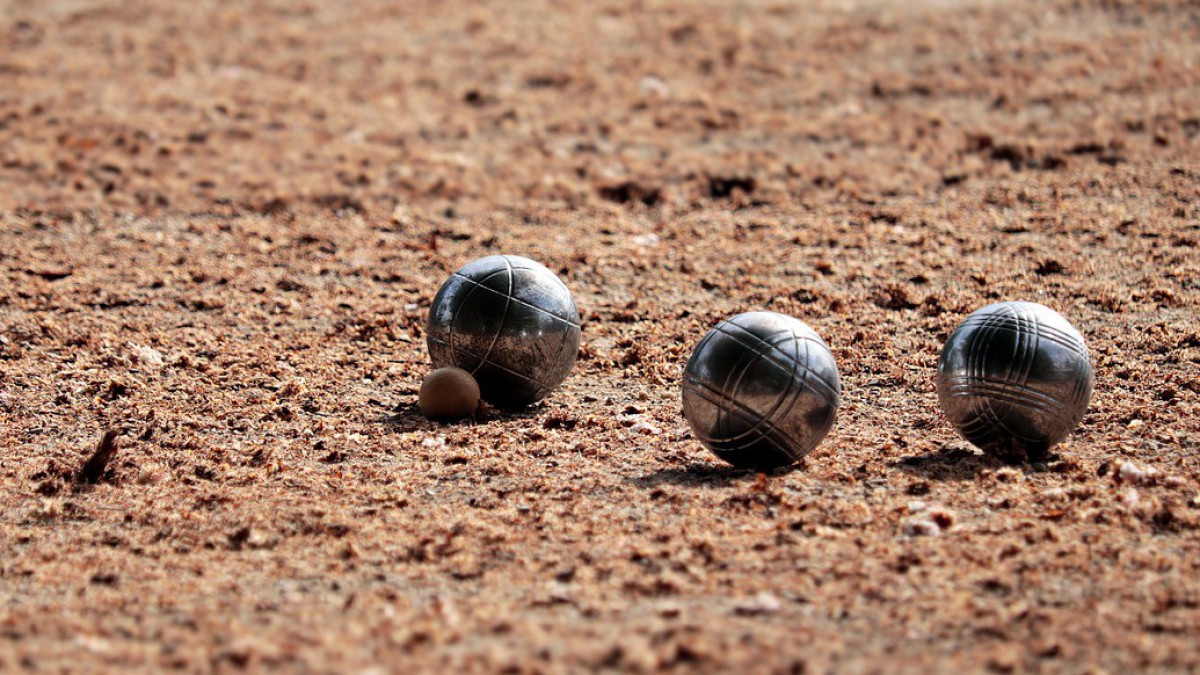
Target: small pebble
[[147, 356], [763, 603], [640, 425], [646, 240], [654, 86], [151, 475], [1131, 497], [922, 527], [1136, 475], [1053, 495]]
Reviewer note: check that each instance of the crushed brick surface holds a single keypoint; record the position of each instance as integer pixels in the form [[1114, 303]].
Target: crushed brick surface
[[221, 225]]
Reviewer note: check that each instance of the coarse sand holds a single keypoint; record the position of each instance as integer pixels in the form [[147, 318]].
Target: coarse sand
[[221, 225]]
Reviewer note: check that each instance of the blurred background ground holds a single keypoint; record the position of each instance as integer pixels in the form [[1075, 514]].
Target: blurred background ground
[[221, 225]]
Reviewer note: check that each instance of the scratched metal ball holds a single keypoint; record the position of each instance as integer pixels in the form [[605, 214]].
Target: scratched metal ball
[[1015, 379], [761, 390], [508, 321]]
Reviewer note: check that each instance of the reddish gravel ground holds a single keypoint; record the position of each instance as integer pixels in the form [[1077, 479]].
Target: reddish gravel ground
[[221, 225]]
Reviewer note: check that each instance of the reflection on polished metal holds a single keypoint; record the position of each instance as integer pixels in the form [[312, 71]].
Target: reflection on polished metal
[[761, 390], [508, 321], [1015, 379]]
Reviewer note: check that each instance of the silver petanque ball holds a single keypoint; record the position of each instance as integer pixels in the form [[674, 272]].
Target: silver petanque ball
[[761, 390], [1014, 378], [508, 321]]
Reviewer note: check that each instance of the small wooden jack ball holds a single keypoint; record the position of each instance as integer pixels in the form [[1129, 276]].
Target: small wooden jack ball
[[449, 394]]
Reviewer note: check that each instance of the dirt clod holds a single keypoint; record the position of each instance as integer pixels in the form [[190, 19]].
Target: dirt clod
[[93, 470]]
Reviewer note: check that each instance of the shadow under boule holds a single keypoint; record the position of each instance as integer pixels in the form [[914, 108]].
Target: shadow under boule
[[707, 475], [408, 417], [951, 462]]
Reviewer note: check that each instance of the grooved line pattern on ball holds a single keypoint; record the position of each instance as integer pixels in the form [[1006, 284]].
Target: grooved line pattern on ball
[[1083, 376], [508, 300], [518, 301], [723, 402], [979, 426], [458, 309], [540, 268], [463, 303], [830, 389], [986, 421], [483, 359], [764, 418], [1049, 333], [1081, 372], [756, 418], [497, 366], [1023, 395], [1030, 341], [562, 346], [1021, 361], [480, 285], [566, 335]]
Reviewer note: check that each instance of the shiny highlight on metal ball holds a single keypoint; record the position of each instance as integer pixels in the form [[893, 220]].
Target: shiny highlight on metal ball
[[761, 390], [511, 323], [1015, 379]]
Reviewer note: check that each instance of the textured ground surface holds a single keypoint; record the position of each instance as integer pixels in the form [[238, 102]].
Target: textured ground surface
[[221, 225]]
